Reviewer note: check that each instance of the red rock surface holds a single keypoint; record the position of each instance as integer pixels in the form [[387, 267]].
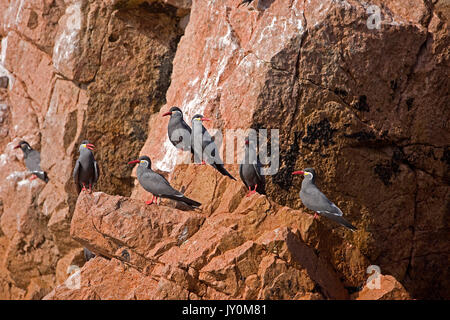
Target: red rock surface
[[367, 108], [389, 289], [176, 254]]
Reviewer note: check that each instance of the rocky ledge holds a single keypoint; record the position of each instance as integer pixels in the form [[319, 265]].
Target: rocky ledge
[[258, 251]]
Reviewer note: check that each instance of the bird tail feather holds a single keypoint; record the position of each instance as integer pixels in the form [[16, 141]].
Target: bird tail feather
[[346, 224], [223, 171], [191, 202], [41, 175], [341, 221], [186, 200]]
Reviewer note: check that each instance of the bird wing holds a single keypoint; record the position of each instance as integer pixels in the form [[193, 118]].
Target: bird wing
[[339, 219], [335, 211], [210, 147], [96, 171], [242, 175], [207, 139], [315, 200], [180, 128], [76, 172], [158, 185], [257, 167], [33, 161]]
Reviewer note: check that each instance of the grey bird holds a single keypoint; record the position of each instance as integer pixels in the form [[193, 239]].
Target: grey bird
[[86, 171], [32, 161], [315, 200], [88, 255], [206, 146], [246, 2], [250, 170], [178, 130], [157, 185]]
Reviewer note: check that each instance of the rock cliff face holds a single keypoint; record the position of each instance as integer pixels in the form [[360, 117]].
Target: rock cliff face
[[366, 105]]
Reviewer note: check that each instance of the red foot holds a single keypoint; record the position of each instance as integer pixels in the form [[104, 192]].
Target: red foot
[[152, 201], [32, 177], [90, 188], [251, 191], [316, 216], [84, 187]]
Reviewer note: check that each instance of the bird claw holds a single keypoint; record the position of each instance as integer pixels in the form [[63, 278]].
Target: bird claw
[[32, 177], [316, 216], [152, 201], [250, 193]]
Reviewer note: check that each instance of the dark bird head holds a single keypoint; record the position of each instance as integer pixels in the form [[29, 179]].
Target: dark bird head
[[250, 141], [25, 146], [85, 144], [308, 173], [174, 111], [199, 117], [143, 161]]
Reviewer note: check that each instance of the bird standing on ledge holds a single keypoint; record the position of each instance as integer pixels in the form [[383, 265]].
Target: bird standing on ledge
[[157, 185], [178, 130], [86, 170], [315, 200], [250, 173], [32, 161], [205, 146]]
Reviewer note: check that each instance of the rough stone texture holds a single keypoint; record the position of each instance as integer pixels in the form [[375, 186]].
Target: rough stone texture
[[244, 254], [73, 70], [130, 84], [367, 108], [390, 289]]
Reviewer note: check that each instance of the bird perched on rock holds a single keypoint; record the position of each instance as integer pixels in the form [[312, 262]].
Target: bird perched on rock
[[202, 144], [246, 2], [157, 185], [32, 161], [178, 130], [86, 170], [250, 170], [315, 200]]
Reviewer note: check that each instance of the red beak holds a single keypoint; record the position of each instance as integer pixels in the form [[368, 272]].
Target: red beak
[[206, 119], [298, 172], [18, 146], [167, 114], [90, 146], [133, 162]]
